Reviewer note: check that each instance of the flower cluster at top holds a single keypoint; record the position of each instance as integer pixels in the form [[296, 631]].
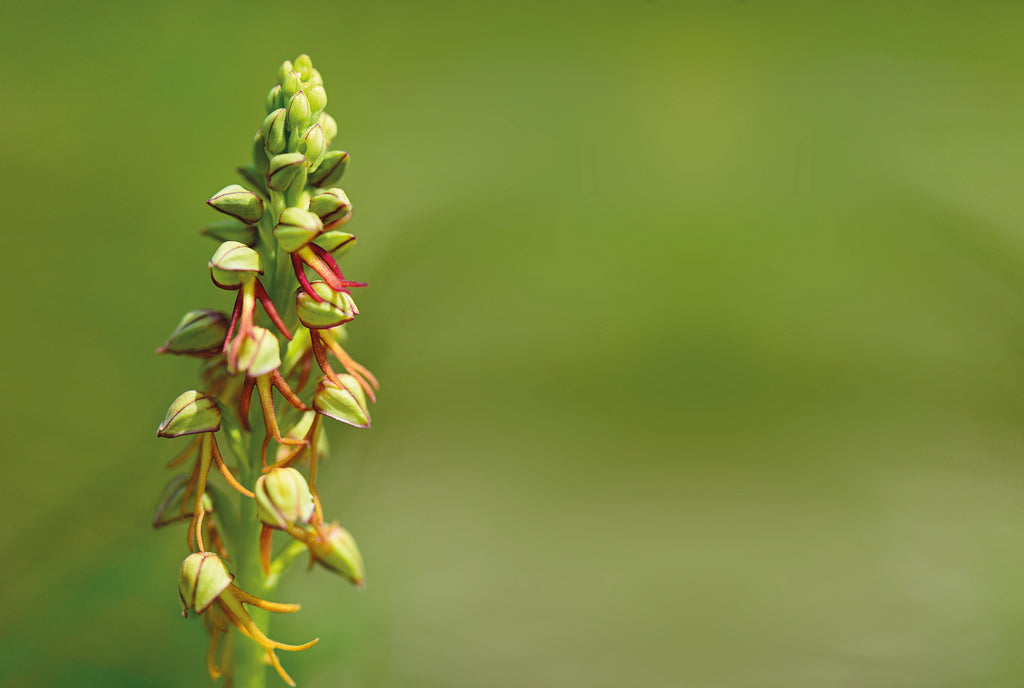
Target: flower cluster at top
[[281, 240]]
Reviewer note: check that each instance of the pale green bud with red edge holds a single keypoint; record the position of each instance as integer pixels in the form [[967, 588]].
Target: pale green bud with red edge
[[290, 85], [231, 230], [234, 263], [313, 145], [335, 549], [202, 578], [283, 71], [335, 241], [296, 228], [191, 413], [275, 137], [239, 203], [346, 403], [331, 206], [330, 127], [304, 66], [317, 96], [283, 498], [331, 169], [200, 333], [336, 307], [300, 114], [275, 99], [283, 170], [260, 159], [258, 354]]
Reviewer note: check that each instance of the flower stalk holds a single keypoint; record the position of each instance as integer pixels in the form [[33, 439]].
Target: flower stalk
[[282, 227]]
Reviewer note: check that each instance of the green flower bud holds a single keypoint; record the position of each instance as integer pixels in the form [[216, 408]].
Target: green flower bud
[[291, 84], [283, 498], [275, 99], [191, 413], [315, 79], [232, 263], [259, 152], [231, 230], [346, 403], [329, 126], [297, 228], [283, 70], [199, 333], [273, 131], [259, 353], [314, 146], [317, 99], [335, 241], [334, 548], [336, 308], [330, 170], [304, 66], [283, 169], [300, 114], [238, 202], [330, 205], [201, 580]]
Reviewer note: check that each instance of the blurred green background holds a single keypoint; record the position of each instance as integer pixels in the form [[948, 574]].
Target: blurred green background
[[699, 326]]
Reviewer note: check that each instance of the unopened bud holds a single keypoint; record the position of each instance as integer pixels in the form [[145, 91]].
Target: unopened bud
[[239, 203], [331, 168], [296, 228], [201, 580], [273, 130], [299, 112], [291, 84], [330, 127], [231, 230], [304, 66], [259, 353], [282, 170], [317, 99], [283, 70], [191, 413], [334, 548], [314, 146], [200, 333], [336, 308], [283, 498], [259, 152], [233, 263], [346, 403], [330, 205], [315, 79], [275, 98]]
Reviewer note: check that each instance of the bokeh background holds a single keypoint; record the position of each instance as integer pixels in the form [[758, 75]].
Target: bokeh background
[[700, 328]]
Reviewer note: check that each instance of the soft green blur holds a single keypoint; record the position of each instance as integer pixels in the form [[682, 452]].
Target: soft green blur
[[700, 328]]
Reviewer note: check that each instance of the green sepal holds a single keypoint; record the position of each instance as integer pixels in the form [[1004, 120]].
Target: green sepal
[[190, 414], [317, 96], [296, 228], [275, 98], [232, 263], [299, 112], [259, 353], [335, 241], [283, 498], [346, 403], [231, 230], [199, 333], [304, 66], [239, 203], [283, 70], [283, 169], [336, 308], [291, 84], [331, 168], [330, 205], [259, 152], [202, 578], [273, 130]]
